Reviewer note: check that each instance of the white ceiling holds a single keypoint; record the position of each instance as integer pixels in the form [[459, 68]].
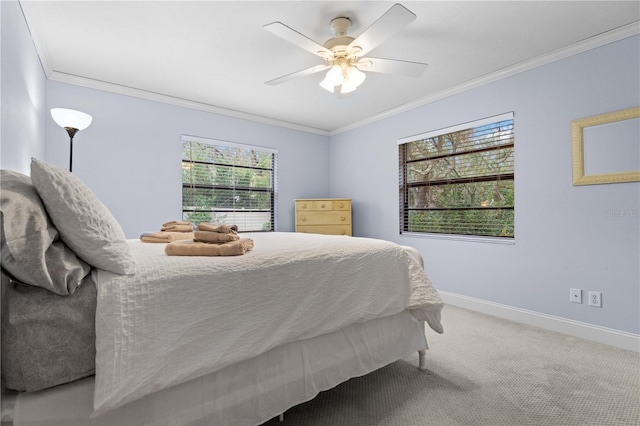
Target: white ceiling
[[215, 55]]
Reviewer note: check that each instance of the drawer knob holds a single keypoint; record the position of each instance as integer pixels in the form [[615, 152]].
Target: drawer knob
[[304, 206], [304, 219], [341, 205], [322, 205], [342, 218]]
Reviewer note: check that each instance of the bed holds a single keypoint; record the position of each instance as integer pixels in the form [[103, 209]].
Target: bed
[[191, 339]]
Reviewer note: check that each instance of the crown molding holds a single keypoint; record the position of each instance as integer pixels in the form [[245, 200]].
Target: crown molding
[[158, 97], [574, 49], [35, 30]]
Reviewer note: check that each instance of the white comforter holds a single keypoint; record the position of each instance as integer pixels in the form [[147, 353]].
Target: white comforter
[[179, 318]]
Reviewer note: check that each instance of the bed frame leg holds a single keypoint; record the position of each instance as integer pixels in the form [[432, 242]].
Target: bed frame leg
[[422, 360], [281, 417]]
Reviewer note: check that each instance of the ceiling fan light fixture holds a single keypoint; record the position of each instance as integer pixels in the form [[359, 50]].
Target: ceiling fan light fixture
[[326, 85], [355, 76], [333, 78]]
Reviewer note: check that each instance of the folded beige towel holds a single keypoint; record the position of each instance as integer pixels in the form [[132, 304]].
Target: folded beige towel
[[214, 237], [222, 229], [165, 237], [177, 222], [196, 248], [178, 228]]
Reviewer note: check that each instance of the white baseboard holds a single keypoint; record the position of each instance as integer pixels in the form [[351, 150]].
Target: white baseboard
[[607, 336]]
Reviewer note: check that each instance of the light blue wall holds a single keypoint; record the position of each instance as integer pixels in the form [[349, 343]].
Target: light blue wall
[[566, 236], [130, 154], [22, 92]]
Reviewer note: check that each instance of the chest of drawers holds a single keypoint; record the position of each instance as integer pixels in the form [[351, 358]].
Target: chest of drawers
[[324, 216]]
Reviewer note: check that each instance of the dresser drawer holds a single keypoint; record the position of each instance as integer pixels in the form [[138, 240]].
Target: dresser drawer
[[342, 205], [316, 217], [325, 229], [323, 205]]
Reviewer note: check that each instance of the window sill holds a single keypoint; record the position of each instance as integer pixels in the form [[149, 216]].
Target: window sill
[[452, 237]]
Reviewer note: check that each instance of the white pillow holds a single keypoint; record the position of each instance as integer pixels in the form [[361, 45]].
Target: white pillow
[[84, 223]]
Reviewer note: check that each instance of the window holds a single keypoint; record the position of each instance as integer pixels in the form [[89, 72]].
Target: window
[[459, 180], [228, 183]]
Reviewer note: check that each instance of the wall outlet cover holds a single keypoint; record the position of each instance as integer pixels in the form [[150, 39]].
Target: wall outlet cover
[[595, 299]]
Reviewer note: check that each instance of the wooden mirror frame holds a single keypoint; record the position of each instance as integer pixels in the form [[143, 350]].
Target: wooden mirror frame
[[577, 148]]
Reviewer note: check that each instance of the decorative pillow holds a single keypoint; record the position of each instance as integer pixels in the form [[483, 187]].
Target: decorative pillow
[[32, 252], [84, 223], [47, 339]]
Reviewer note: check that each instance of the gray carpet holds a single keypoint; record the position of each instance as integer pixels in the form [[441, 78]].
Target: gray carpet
[[488, 371]]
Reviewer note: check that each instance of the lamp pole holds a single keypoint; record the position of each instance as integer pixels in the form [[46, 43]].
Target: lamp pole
[[71, 131]]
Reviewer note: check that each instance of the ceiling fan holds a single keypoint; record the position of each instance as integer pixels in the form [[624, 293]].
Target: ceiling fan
[[343, 55]]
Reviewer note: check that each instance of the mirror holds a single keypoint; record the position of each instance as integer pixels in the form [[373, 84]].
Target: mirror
[[606, 148]]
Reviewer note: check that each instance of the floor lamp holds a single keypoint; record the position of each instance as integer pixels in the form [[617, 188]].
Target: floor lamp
[[72, 121]]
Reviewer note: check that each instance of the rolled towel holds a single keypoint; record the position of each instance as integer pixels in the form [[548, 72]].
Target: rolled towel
[[214, 237], [177, 228], [165, 237], [195, 248], [222, 229]]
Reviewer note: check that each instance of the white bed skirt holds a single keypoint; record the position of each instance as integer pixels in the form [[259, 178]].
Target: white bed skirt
[[250, 392]]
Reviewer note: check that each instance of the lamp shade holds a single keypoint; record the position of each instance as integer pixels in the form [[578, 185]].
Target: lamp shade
[[71, 118], [333, 78], [356, 77]]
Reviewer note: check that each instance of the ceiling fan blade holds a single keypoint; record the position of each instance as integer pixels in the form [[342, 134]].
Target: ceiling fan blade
[[391, 66], [297, 74], [300, 40], [386, 26]]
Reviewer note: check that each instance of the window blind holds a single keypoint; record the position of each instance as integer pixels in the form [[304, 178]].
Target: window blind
[[459, 180], [229, 183]]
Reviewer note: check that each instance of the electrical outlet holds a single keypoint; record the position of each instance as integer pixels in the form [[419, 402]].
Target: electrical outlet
[[595, 299], [575, 295]]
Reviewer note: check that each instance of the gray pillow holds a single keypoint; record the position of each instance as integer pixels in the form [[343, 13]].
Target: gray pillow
[[31, 250], [84, 223]]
